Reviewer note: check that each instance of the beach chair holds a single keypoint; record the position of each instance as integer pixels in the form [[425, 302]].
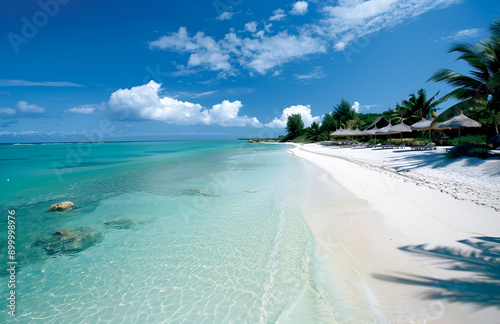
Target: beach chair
[[428, 146], [388, 145]]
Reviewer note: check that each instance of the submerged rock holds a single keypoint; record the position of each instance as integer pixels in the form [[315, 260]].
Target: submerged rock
[[120, 223], [251, 191], [66, 241], [202, 192], [65, 205]]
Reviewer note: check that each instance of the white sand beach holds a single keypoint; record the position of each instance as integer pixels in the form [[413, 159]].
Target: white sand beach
[[411, 236]]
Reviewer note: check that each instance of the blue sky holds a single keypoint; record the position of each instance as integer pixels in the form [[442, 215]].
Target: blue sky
[[217, 69]]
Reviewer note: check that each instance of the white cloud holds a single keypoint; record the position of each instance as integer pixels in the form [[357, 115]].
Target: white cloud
[[463, 34], [299, 8], [339, 26], [278, 15], [193, 94], [27, 108], [266, 53], [303, 111], [260, 53], [86, 109], [143, 103], [31, 132], [23, 133], [251, 26], [226, 114], [226, 15], [350, 20], [81, 110], [7, 111], [21, 83], [205, 51], [355, 106], [316, 73]]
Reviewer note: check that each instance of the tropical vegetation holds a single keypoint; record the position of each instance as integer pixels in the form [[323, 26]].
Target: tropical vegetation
[[478, 96], [483, 83]]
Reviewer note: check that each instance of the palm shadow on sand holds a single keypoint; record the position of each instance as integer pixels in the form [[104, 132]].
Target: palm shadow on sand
[[480, 287]]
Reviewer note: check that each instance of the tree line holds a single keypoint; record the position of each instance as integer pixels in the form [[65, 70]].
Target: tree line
[[478, 94]]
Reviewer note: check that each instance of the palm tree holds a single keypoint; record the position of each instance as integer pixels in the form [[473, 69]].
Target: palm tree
[[343, 112], [418, 106], [484, 80], [313, 132]]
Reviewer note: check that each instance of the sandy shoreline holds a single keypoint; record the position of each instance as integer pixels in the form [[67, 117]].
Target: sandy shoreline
[[390, 229]]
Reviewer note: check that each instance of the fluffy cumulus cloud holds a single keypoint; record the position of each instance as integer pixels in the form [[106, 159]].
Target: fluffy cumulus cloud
[[303, 111], [356, 106], [251, 26], [144, 103], [299, 8]]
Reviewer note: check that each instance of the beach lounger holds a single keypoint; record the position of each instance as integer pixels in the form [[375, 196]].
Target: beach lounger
[[428, 146]]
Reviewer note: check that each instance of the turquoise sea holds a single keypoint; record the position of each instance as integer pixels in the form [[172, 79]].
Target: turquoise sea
[[167, 232]]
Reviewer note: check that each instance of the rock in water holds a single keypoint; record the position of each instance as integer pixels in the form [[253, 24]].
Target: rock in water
[[66, 241], [120, 223], [65, 205], [202, 192]]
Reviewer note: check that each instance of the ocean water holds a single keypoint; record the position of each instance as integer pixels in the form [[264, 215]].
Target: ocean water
[[171, 232]]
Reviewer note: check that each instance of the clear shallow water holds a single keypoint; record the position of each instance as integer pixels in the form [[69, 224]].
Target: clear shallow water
[[226, 256]]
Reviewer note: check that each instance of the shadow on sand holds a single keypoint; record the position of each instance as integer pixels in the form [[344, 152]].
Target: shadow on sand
[[481, 286]]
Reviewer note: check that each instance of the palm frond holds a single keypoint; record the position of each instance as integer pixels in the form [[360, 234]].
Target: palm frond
[[455, 79], [461, 94], [454, 110]]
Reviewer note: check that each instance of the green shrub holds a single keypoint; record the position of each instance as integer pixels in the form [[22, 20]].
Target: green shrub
[[473, 139], [422, 139], [419, 143], [468, 149], [398, 141], [375, 141], [301, 139]]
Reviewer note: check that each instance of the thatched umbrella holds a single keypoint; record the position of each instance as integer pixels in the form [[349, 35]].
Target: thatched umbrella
[[358, 132], [426, 125], [339, 132], [370, 132], [401, 128], [460, 122], [396, 129]]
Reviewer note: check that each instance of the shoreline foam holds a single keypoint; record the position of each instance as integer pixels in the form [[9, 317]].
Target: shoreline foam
[[362, 217]]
